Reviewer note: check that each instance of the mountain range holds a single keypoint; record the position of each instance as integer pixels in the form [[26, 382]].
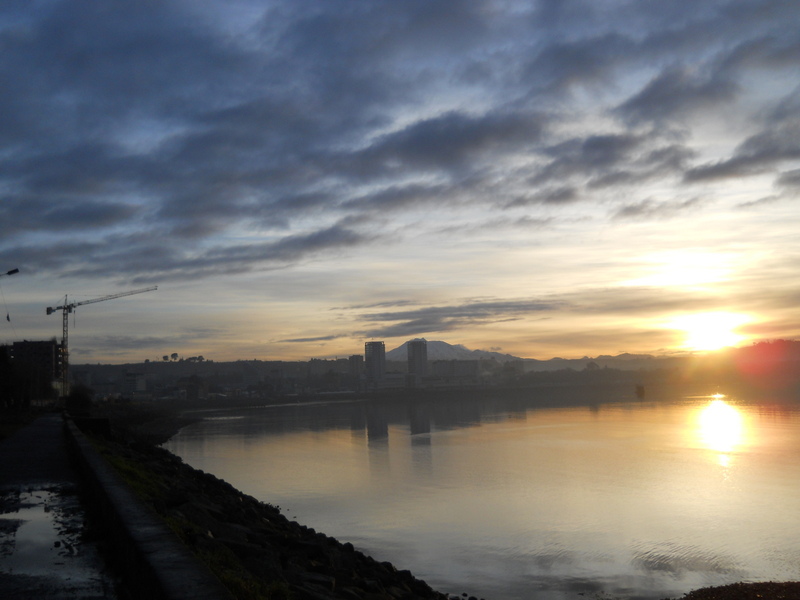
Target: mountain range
[[438, 350]]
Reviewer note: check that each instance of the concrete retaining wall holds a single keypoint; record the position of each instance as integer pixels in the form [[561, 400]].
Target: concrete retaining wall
[[152, 561]]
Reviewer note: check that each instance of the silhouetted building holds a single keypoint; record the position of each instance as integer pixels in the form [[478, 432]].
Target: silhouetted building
[[196, 388], [375, 361], [417, 361], [134, 385], [44, 357], [355, 371], [355, 365], [36, 367]]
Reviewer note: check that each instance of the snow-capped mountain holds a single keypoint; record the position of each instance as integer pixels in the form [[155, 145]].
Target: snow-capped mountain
[[438, 350]]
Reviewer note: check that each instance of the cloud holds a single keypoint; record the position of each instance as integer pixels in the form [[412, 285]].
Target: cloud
[[447, 318], [122, 344], [96, 70], [584, 157], [641, 301], [766, 51], [562, 65], [764, 151], [759, 202], [493, 226], [21, 215], [452, 141], [650, 209], [399, 197], [555, 196], [146, 260], [673, 93], [323, 338], [608, 160], [789, 179], [177, 141]]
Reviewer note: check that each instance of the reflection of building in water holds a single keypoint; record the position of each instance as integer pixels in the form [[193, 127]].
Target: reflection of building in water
[[419, 419], [377, 427], [375, 362], [417, 361]]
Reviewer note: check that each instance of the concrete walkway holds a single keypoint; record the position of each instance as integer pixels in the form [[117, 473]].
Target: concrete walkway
[[44, 552]]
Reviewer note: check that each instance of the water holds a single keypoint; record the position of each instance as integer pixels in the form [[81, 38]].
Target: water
[[43, 549], [505, 499]]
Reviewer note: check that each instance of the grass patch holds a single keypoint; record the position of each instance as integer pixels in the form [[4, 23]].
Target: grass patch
[[225, 565], [144, 482]]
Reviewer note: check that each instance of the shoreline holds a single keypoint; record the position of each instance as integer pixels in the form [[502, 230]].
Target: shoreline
[[255, 550], [146, 430]]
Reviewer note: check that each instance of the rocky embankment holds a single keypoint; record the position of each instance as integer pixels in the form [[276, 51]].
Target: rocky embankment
[[254, 549]]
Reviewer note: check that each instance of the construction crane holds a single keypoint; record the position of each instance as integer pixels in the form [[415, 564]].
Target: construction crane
[[66, 309]]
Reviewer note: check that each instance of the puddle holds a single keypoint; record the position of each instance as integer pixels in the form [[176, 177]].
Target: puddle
[[43, 547]]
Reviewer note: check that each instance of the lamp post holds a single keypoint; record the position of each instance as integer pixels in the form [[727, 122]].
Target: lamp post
[[11, 272]]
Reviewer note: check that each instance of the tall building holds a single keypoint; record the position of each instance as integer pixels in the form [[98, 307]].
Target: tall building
[[43, 356], [417, 361], [38, 366], [355, 371], [418, 357], [375, 361]]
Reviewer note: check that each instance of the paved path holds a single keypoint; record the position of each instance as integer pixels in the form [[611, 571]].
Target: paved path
[[44, 553]]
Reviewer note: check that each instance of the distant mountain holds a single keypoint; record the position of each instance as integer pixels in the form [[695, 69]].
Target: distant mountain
[[625, 362], [438, 350]]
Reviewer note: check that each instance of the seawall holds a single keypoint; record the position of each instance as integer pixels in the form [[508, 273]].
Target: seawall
[[249, 549], [144, 551]]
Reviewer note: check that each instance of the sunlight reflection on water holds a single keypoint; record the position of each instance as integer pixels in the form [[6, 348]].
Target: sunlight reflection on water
[[721, 429], [509, 500]]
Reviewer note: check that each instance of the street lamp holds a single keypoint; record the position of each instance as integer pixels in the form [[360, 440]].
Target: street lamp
[[11, 272]]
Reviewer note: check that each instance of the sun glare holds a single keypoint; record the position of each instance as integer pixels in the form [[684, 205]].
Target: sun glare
[[710, 331]]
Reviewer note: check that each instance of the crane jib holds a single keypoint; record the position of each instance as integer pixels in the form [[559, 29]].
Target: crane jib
[[66, 309]]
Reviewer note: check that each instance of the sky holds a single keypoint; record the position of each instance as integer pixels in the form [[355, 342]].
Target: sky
[[554, 178]]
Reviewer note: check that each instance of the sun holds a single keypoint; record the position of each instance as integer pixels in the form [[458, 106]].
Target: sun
[[711, 330]]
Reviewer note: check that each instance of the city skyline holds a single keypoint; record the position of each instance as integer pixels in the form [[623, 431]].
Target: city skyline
[[538, 179]]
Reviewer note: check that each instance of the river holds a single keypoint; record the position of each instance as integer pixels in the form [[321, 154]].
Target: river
[[517, 499]]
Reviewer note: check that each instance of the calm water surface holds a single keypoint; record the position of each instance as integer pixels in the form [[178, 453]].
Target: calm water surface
[[507, 500]]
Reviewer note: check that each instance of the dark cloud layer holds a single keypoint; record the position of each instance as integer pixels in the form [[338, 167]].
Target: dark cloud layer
[[765, 151], [437, 319], [178, 140]]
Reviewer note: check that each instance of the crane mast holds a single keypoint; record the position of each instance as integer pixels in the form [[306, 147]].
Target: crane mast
[[66, 309]]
